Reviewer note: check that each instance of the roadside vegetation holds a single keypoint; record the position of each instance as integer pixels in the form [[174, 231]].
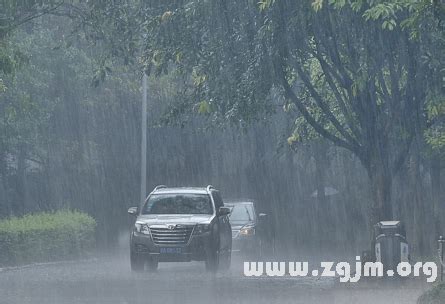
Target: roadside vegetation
[[46, 237], [436, 295]]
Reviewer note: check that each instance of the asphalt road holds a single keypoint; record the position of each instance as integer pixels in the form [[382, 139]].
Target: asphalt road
[[108, 279]]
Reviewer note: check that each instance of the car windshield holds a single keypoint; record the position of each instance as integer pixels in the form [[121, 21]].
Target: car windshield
[[242, 213], [178, 204]]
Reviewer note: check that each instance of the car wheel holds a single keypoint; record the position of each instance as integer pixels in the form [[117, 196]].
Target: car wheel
[[226, 260], [212, 261], [137, 262]]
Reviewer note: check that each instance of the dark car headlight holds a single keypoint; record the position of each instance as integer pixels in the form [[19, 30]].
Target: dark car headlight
[[247, 231], [201, 228]]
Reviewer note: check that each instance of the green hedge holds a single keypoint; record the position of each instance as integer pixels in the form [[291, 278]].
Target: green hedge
[[436, 295], [45, 237]]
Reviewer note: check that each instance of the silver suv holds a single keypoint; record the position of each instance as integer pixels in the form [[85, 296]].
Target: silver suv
[[181, 225]]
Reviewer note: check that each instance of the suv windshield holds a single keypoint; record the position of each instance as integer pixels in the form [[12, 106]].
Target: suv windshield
[[242, 213], [178, 204]]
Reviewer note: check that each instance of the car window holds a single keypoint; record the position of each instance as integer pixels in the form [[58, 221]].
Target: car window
[[178, 204], [242, 213]]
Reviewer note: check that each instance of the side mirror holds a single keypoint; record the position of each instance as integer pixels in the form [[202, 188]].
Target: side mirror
[[133, 211], [223, 211]]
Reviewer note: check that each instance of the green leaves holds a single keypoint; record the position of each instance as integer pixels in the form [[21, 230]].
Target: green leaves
[[16, 13], [389, 12], [204, 107], [293, 139], [338, 4], [389, 24], [198, 78], [317, 5], [265, 4], [2, 86], [11, 58], [435, 109], [347, 59], [357, 5], [102, 70], [406, 13], [166, 16], [46, 237], [435, 138], [382, 11]]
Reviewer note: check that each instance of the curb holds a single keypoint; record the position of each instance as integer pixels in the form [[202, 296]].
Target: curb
[[36, 265]]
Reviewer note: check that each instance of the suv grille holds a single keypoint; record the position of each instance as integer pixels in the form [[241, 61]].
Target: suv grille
[[176, 236]]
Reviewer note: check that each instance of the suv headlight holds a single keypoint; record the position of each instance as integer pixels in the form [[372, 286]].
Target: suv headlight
[[201, 228], [142, 228], [246, 231]]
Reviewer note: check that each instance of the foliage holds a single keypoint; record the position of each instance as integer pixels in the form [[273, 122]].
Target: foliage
[[15, 13], [59, 133], [173, 40], [46, 237], [27, 101], [435, 134], [354, 70]]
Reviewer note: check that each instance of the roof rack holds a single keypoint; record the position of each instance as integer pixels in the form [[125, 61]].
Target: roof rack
[[210, 187], [159, 187]]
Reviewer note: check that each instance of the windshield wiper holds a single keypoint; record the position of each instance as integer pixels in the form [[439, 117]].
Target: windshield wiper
[[248, 214]]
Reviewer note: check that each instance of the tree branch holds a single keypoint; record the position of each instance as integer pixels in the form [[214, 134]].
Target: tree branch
[[34, 16], [327, 70], [290, 94], [323, 106]]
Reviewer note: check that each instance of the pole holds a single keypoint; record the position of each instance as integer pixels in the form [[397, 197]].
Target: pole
[[144, 140], [441, 256]]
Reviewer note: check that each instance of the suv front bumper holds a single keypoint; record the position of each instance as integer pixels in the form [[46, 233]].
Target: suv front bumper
[[195, 250]]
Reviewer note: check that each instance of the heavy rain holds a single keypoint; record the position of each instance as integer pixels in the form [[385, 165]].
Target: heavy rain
[[201, 151]]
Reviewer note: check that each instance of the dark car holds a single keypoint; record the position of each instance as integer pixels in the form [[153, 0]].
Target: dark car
[[181, 225], [248, 227]]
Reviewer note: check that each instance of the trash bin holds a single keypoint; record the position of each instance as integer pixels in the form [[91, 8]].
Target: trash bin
[[391, 246]]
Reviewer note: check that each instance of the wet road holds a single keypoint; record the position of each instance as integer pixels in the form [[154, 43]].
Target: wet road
[[109, 280]]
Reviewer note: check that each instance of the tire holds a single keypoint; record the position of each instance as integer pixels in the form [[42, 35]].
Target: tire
[[226, 260], [137, 262], [212, 261]]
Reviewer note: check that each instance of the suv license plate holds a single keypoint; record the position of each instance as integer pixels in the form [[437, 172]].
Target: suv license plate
[[171, 250]]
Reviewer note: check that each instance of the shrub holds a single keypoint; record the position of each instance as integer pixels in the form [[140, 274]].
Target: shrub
[[44, 237]]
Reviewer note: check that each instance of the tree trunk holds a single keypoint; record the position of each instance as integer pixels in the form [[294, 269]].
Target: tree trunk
[[319, 152], [436, 193], [21, 182], [4, 201], [418, 205], [381, 183]]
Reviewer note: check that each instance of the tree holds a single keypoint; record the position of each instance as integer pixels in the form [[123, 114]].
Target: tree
[[351, 70], [354, 70], [359, 84]]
